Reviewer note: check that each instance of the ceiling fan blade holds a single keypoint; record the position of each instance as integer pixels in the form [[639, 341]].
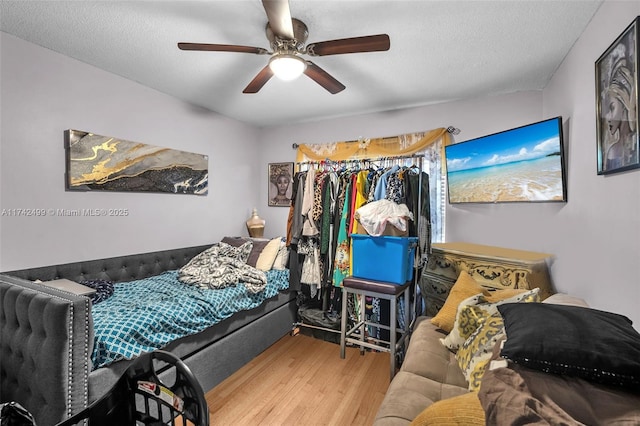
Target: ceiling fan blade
[[259, 80], [323, 78], [222, 48], [372, 43], [279, 17]]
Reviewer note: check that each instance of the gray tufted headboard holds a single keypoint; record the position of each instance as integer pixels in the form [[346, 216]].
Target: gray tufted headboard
[[44, 343], [45, 333], [116, 269]]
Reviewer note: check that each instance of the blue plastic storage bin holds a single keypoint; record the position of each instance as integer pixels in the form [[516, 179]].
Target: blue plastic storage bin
[[384, 258]]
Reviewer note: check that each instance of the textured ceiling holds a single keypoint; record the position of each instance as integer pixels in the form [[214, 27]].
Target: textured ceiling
[[440, 50]]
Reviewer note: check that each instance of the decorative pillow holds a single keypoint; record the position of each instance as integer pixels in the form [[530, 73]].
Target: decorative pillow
[[268, 254], [468, 320], [461, 330], [502, 294], [566, 299], [464, 287], [234, 241], [104, 289], [475, 353], [258, 246], [461, 410], [282, 259], [599, 346]]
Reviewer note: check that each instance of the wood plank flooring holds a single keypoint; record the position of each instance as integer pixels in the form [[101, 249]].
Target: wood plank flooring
[[301, 380]]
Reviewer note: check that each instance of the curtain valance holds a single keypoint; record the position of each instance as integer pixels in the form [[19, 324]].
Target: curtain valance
[[400, 145]]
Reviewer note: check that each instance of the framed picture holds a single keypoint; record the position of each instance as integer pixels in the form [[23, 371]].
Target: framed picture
[[280, 178], [617, 103], [106, 163]]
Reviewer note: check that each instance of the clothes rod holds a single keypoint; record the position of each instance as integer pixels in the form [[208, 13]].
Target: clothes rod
[[360, 160], [450, 129]]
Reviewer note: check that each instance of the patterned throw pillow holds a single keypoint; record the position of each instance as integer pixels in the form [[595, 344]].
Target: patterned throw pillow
[[462, 330], [104, 289], [475, 353], [468, 320]]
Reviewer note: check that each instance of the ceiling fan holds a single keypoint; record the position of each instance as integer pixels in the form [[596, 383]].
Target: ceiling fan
[[287, 37]]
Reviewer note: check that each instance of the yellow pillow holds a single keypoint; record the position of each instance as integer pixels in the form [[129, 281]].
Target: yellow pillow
[[464, 288], [464, 409]]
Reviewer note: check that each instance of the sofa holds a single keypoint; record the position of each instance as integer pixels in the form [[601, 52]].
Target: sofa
[[431, 387]]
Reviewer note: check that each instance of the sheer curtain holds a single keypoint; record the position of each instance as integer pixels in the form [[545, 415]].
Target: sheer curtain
[[433, 160]]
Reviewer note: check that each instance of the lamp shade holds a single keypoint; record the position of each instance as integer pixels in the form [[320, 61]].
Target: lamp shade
[[286, 66]]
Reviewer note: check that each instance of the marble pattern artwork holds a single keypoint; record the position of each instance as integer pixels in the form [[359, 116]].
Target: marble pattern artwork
[[106, 163]]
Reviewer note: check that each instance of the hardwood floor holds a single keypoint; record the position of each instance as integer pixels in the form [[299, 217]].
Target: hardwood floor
[[301, 380]]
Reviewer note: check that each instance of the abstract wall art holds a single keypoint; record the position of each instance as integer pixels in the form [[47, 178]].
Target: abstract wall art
[[106, 163]]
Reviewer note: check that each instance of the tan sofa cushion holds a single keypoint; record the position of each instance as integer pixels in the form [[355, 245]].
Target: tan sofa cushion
[[429, 373], [427, 357], [408, 395]]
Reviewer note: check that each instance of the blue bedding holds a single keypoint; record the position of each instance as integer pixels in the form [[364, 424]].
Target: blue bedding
[[147, 314]]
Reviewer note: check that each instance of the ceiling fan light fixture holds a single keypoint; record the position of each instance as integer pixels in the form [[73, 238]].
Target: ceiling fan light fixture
[[287, 66]]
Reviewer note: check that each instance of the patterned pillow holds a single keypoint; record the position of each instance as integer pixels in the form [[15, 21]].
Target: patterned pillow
[[468, 320], [104, 289], [462, 329], [475, 353]]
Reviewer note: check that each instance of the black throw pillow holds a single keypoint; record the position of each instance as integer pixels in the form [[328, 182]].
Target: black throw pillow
[[599, 346]]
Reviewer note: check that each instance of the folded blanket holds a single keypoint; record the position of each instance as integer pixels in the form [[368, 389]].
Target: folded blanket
[[514, 395]]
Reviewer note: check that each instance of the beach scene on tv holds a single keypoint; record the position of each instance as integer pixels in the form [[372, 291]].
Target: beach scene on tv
[[517, 165]]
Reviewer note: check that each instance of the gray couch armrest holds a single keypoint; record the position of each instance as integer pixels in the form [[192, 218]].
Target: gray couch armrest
[[45, 342]]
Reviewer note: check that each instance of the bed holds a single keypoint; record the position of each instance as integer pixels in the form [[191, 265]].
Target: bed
[[55, 363]]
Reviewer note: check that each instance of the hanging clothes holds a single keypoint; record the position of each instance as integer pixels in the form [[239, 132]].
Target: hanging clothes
[[322, 217], [341, 261]]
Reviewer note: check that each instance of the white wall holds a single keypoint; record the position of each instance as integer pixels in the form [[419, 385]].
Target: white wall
[[474, 117], [44, 93], [595, 237], [597, 234]]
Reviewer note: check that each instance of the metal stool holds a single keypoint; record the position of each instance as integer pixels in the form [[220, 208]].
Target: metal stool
[[362, 288]]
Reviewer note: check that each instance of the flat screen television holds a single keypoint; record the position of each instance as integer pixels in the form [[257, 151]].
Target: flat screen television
[[524, 164]]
